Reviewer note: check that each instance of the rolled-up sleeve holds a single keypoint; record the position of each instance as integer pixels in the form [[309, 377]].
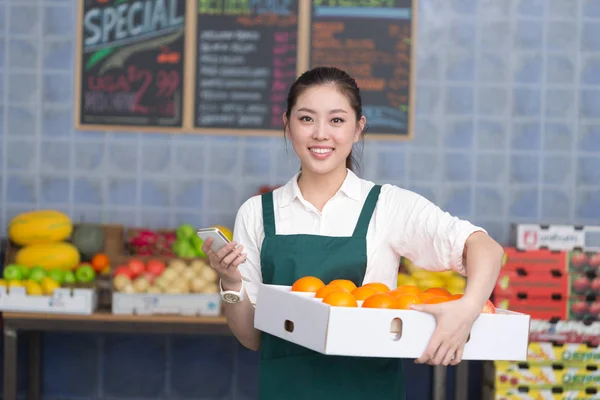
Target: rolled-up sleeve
[[420, 231], [246, 232]]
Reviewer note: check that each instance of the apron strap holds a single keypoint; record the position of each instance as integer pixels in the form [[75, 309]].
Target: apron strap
[[268, 212], [362, 226]]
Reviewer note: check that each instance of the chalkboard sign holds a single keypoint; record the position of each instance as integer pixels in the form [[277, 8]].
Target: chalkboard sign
[[248, 53], [131, 56], [372, 40]]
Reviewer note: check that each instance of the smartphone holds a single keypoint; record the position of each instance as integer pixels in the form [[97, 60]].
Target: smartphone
[[219, 239]]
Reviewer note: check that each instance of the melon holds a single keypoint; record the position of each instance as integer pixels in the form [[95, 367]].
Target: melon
[[60, 255], [40, 226], [89, 240]]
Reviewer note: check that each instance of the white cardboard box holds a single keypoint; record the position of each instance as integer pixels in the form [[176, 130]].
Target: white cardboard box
[[179, 304], [62, 301], [557, 237], [367, 332]]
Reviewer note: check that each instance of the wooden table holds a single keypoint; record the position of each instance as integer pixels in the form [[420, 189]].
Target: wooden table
[[100, 322]]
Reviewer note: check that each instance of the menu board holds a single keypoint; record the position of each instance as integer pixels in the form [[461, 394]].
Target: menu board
[[131, 63], [246, 60], [371, 40]]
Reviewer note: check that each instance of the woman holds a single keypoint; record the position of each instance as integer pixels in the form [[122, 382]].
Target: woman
[[327, 222]]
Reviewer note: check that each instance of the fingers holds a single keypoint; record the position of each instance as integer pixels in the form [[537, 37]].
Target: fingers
[[458, 356], [233, 255], [430, 351]]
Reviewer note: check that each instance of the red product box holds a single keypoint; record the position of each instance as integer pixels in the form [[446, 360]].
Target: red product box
[[534, 260], [532, 284], [552, 307]]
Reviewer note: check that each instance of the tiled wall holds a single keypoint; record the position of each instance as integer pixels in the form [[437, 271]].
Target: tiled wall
[[508, 129]]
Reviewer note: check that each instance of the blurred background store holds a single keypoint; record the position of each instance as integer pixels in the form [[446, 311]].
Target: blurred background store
[[506, 130]]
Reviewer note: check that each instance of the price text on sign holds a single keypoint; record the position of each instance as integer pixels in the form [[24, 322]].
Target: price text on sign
[[132, 62], [246, 62]]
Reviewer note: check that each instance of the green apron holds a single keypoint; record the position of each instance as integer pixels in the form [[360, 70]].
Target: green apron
[[292, 372]]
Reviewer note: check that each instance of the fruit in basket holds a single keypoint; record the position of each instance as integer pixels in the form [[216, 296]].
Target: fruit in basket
[[404, 301], [410, 274], [69, 278], [89, 240], [362, 292], [340, 299], [345, 283], [380, 300], [39, 226], [57, 275], [33, 288], [136, 266], [49, 285], [101, 263], [155, 267], [489, 308], [307, 284], [50, 255], [85, 273], [378, 287], [185, 231], [12, 272], [438, 291], [325, 290], [145, 242], [36, 274]]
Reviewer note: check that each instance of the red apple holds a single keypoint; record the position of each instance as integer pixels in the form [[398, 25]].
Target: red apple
[[595, 260], [155, 267], [123, 270], [581, 284], [595, 309], [578, 260], [136, 267], [596, 285], [579, 308]]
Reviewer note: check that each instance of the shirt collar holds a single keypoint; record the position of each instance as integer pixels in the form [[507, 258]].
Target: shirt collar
[[351, 187]]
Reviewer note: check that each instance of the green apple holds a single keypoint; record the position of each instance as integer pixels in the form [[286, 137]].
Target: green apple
[[85, 274], [24, 271], [36, 274], [58, 275], [69, 277], [197, 243], [12, 272], [185, 231]]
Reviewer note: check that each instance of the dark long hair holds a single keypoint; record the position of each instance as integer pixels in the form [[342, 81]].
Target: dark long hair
[[328, 75]]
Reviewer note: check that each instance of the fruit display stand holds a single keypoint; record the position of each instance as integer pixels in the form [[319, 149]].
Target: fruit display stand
[[46, 268]]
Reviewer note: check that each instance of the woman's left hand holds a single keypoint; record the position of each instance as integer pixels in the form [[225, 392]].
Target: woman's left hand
[[454, 322]]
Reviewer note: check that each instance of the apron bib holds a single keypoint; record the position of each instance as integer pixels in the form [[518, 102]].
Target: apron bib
[[292, 372]]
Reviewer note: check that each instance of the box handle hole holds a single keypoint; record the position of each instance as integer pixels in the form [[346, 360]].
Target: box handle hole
[[396, 329], [288, 326]]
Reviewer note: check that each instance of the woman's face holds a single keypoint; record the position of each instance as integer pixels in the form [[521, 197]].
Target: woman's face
[[322, 128]]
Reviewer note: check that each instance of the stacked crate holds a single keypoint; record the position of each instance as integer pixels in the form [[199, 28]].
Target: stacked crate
[[552, 276]]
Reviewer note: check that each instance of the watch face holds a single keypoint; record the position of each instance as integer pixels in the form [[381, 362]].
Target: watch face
[[231, 298]]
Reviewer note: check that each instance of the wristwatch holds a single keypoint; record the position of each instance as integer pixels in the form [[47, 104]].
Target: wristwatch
[[231, 296]]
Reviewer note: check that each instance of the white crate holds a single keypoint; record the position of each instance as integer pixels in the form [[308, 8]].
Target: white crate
[[557, 237], [62, 301], [367, 332], [155, 304]]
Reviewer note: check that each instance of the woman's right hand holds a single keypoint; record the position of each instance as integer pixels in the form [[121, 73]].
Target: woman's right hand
[[225, 262]]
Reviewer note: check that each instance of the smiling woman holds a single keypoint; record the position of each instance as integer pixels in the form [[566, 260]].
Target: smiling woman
[[329, 224]]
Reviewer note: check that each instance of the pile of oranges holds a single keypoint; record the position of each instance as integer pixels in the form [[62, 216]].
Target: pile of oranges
[[344, 293]]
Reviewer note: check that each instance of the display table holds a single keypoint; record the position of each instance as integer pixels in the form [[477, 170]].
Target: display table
[[31, 325]]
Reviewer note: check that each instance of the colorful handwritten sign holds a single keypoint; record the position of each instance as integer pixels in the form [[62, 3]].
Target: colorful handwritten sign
[[131, 63]]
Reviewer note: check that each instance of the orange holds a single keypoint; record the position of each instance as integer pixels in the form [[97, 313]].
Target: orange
[[489, 308], [380, 300], [405, 301], [439, 291], [379, 287], [456, 296], [307, 284], [345, 283], [340, 299], [100, 261], [436, 300], [363, 292], [426, 296], [408, 289], [325, 290]]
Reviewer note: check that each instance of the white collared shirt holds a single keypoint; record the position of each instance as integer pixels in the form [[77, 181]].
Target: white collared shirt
[[403, 224]]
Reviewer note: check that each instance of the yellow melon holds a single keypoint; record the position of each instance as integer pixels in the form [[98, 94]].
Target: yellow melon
[[40, 226], [61, 255]]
